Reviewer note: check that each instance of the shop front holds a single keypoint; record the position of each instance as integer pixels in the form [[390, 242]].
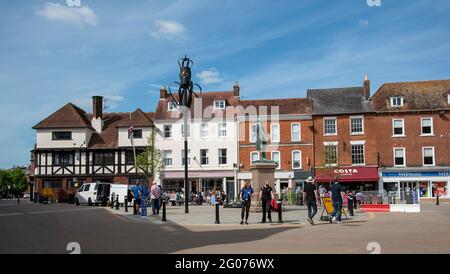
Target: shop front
[[199, 181], [352, 178], [427, 183]]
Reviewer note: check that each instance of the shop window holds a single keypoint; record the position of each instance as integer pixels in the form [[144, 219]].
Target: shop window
[[439, 188], [53, 184], [423, 189]]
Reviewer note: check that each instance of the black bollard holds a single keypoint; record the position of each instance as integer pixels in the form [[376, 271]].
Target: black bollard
[[217, 214], [18, 199], [280, 210], [117, 202], [164, 212], [134, 207], [112, 200], [437, 200], [126, 203]]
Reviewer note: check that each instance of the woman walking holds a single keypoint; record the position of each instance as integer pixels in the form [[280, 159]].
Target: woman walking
[[246, 196]]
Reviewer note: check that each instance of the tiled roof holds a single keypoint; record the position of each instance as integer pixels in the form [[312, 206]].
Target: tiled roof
[[69, 116], [207, 101], [290, 106], [339, 101], [425, 95]]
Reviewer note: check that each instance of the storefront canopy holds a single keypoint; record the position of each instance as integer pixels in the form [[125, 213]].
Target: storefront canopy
[[347, 174]]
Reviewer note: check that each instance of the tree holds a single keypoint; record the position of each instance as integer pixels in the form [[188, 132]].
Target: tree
[[16, 179], [149, 162]]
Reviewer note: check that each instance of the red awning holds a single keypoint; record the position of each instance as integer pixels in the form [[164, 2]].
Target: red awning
[[347, 174]]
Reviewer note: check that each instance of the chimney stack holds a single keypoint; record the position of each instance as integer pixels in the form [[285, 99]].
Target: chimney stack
[[366, 87], [236, 89], [163, 93], [97, 109]]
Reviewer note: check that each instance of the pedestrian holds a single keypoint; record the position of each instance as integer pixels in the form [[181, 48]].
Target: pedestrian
[[144, 201], [351, 199], [246, 194], [336, 198], [155, 195], [310, 198], [213, 197], [266, 196], [136, 190]]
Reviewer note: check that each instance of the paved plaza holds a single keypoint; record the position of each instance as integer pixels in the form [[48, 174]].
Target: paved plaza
[[31, 228]]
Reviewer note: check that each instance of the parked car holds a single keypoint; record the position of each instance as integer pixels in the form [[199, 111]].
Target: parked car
[[99, 193], [26, 196]]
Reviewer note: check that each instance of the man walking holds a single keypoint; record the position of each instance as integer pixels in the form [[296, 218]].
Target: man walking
[[137, 197], [310, 198], [336, 198], [155, 195], [266, 196]]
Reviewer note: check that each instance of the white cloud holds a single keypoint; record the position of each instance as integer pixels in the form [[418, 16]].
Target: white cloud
[[77, 15], [168, 29], [210, 76]]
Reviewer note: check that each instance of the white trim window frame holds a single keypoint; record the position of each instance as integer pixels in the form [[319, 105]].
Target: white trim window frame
[[205, 157], [251, 157], [431, 126], [219, 104], [170, 132], [278, 162], [168, 161], [331, 144], [325, 126], [352, 118], [358, 143], [275, 134], [299, 139], [222, 129], [253, 133], [172, 107], [397, 101], [294, 160], [204, 130], [222, 157], [424, 156], [395, 156], [403, 134], [182, 157]]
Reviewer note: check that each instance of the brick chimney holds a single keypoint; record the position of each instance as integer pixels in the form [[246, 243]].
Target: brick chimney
[[163, 93], [236, 89], [366, 87], [97, 110]]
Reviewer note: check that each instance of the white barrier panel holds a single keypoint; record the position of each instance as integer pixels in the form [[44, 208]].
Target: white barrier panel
[[405, 208]]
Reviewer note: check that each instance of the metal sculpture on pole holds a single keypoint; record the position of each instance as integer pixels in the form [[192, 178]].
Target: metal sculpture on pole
[[184, 100]]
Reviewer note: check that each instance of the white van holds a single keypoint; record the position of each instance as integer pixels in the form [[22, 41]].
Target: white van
[[99, 193]]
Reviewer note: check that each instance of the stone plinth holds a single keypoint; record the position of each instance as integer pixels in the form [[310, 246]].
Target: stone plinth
[[262, 171]]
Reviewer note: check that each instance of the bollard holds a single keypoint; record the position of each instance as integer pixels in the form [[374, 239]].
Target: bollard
[[437, 200], [18, 199], [164, 212], [112, 200], [117, 202], [217, 214], [280, 210], [126, 203]]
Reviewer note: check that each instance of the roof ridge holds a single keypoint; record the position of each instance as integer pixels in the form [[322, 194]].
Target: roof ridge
[[417, 82]]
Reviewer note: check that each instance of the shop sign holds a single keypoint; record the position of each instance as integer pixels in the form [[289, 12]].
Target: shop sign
[[417, 174], [346, 171]]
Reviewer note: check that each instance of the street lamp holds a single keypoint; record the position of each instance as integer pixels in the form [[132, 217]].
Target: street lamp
[[184, 100]]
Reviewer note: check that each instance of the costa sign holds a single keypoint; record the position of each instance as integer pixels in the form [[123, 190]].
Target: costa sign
[[346, 171]]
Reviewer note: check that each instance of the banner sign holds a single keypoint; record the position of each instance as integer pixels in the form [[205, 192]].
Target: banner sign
[[417, 174]]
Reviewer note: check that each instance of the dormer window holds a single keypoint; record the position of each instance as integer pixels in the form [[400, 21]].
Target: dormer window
[[172, 107], [219, 104], [396, 101]]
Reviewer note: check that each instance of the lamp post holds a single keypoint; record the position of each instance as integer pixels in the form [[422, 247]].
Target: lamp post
[[184, 100]]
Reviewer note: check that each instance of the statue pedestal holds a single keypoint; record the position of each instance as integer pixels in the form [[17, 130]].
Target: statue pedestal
[[262, 172]]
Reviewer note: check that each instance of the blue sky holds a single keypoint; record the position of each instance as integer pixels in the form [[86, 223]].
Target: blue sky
[[52, 54]]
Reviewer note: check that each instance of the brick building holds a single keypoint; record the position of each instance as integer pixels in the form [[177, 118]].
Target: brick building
[[344, 137], [73, 147], [288, 127], [413, 133]]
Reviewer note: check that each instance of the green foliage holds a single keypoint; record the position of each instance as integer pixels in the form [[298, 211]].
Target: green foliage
[[150, 161], [15, 179]]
